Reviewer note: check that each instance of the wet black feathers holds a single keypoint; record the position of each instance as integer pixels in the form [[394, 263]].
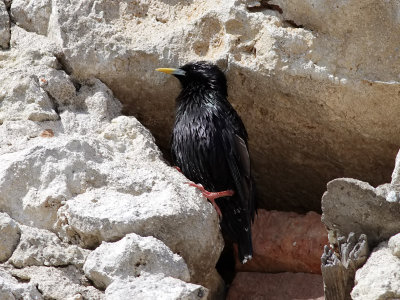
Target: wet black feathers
[[209, 144]]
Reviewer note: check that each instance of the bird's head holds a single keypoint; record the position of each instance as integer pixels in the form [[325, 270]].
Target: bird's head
[[200, 74]]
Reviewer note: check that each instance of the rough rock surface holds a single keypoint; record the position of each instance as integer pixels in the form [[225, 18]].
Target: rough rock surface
[[276, 286], [339, 267], [39, 247], [72, 168], [379, 277], [355, 211], [304, 76], [59, 283], [32, 15], [9, 236], [316, 84], [286, 241], [133, 256], [30, 60], [93, 217], [4, 27], [350, 205], [394, 245], [11, 289], [155, 287]]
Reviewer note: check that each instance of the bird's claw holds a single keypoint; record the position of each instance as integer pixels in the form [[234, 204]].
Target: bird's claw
[[178, 169], [211, 196]]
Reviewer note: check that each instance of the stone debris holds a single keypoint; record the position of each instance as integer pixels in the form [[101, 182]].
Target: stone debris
[[379, 277], [151, 287], [351, 205], [39, 247], [59, 283], [358, 218], [4, 27], [75, 172], [11, 288], [10, 234], [133, 256]]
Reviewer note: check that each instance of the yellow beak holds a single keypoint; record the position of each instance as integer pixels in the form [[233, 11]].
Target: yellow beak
[[171, 71], [166, 70]]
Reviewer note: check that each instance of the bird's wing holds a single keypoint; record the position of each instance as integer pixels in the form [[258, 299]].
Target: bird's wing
[[238, 160]]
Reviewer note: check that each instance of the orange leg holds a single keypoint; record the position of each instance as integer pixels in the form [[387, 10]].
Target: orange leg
[[178, 169], [211, 196]]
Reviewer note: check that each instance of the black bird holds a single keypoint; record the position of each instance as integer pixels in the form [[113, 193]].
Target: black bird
[[209, 146]]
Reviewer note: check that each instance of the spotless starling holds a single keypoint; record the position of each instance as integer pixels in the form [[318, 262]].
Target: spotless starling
[[209, 146]]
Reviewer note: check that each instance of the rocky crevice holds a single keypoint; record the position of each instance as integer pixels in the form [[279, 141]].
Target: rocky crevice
[[5, 29], [307, 97], [258, 6], [71, 134], [360, 217]]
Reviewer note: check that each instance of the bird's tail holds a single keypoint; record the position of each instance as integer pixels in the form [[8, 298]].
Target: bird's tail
[[245, 245]]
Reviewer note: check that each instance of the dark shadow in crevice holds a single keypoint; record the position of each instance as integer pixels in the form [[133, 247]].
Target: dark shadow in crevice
[[264, 5]]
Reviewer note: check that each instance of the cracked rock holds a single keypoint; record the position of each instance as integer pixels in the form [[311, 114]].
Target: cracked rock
[[39, 247], [350, 205], [59, 283], [150, 287], [313, 88], [5, 34], [70, 163], [339, 268], [379, 277], [9, 236], [32, 15], [394, 245], [133, 256], [11, 288]]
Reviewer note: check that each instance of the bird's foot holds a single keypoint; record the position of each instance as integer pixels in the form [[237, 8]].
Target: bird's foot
[[211, 196], [178, 169]]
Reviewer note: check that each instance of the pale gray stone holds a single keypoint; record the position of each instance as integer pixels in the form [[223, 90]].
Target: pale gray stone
[[394, 245], [59, 283], [339, 268], [9, 236], [379, 277], [149, 287], [133, 256], [304, 76], [351, 205], [67, 157], [11, 289], [4, 26], [32, 15], [39, 247]]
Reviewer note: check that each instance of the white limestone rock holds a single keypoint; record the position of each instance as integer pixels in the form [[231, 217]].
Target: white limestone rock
[[71, 164], [25, 68], [94, 216], [313, 72], [351, 205], [133, 256], [11, 289], [59, 283], [394, 245], [32, 15], [151, 287], [379, 277], [36, 182], [9, 236], [4, 26], [39, 247]]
